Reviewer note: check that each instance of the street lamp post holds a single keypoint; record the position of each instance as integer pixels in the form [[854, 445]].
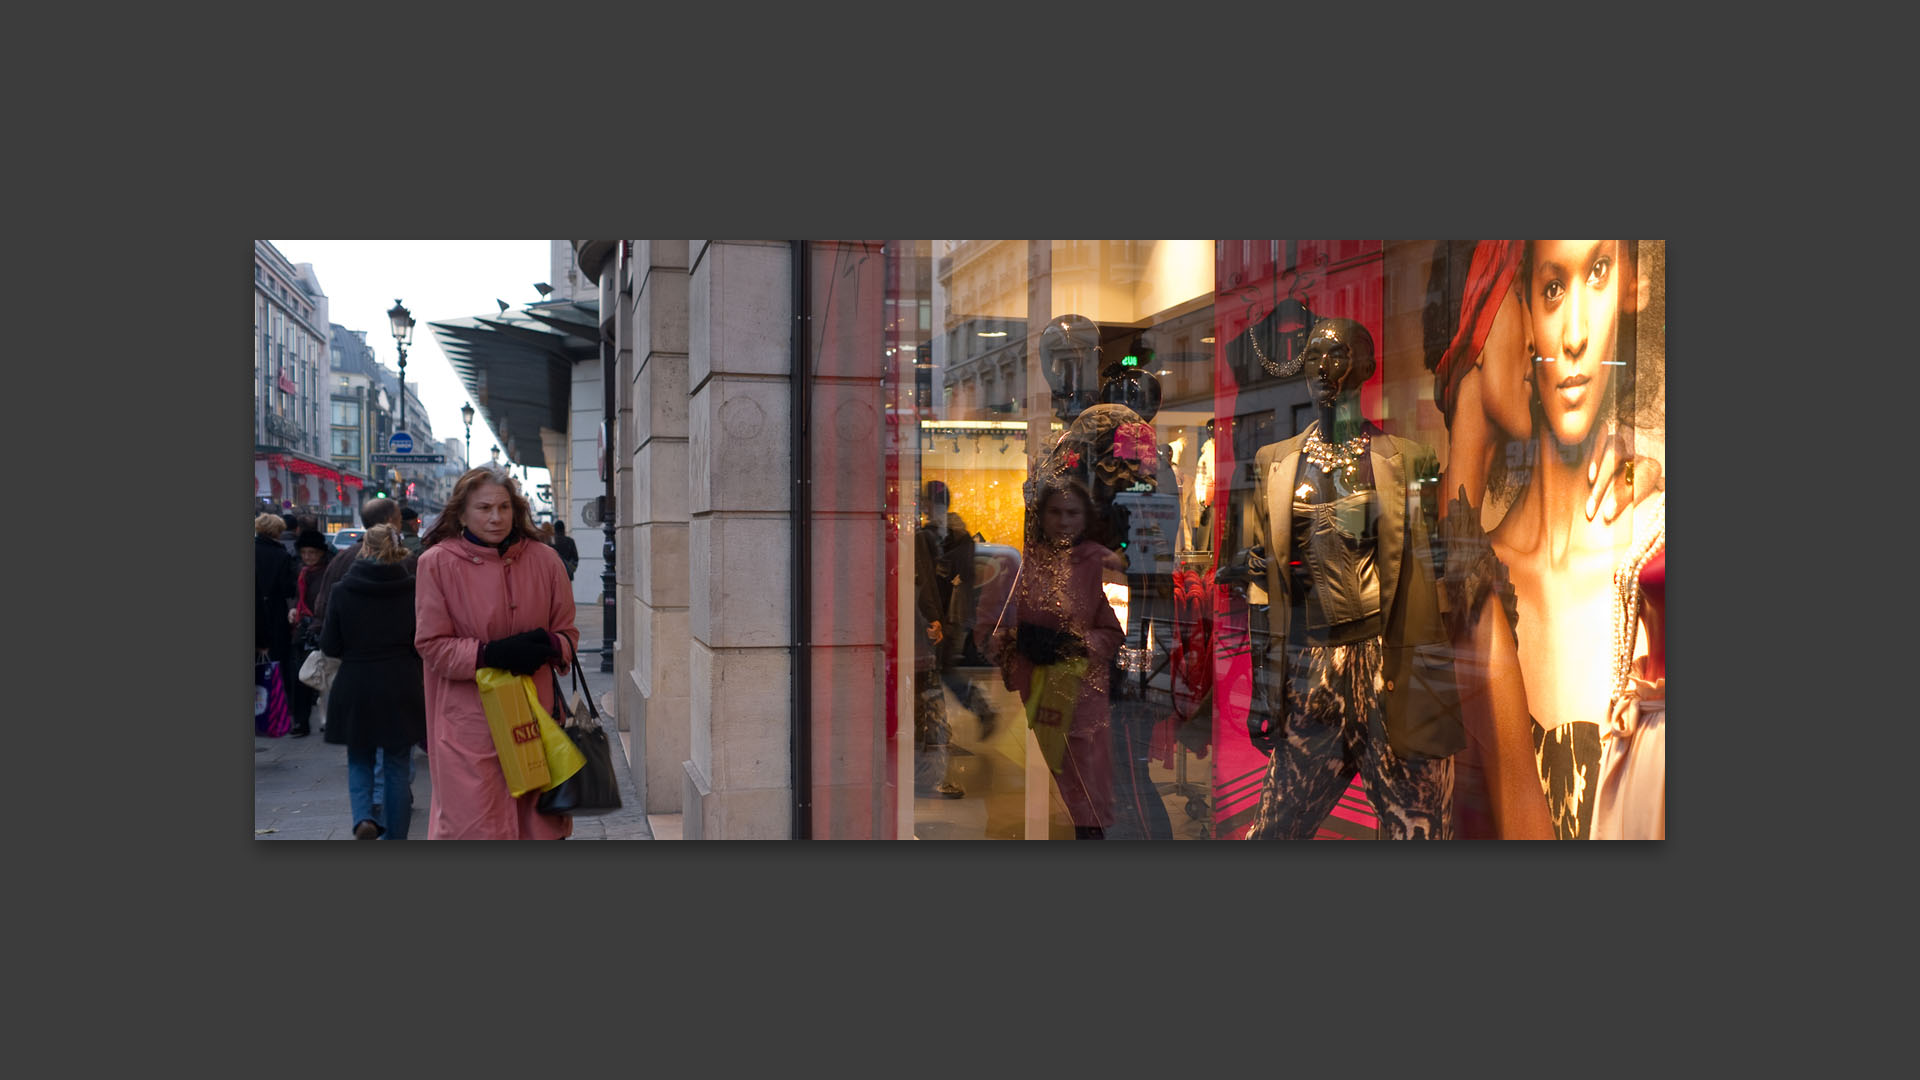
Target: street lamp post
[[402, 321], [466, 414]]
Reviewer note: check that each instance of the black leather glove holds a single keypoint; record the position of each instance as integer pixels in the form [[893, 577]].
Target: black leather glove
[[523, 653]]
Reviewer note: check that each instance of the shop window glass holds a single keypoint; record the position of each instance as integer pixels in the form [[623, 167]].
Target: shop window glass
[[1218, 539]]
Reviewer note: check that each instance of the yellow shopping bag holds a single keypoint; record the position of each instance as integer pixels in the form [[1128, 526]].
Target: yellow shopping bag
[[534, 753], [1050, 701]]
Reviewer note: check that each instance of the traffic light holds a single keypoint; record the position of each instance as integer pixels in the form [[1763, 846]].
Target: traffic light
[[380, 494]]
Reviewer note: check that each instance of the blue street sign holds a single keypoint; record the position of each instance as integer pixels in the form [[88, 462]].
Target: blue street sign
[[408, 459], [401, 443]]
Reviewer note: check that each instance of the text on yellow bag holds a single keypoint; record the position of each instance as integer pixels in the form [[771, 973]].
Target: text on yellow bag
[[534, 753]]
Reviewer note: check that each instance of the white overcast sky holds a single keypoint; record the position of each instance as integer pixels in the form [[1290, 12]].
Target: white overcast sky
[[437, 280]]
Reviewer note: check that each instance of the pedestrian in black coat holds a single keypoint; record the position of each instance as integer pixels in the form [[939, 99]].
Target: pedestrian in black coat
[[375, 512], [314, 551], [569, 551], [273, 584], [378, 698]]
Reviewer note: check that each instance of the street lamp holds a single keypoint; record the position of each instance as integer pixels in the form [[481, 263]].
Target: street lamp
[[466, 414], [496, 455], [402, 321]]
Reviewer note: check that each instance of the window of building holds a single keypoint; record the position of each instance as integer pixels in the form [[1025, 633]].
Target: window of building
[[1156, 548], [346, 413]]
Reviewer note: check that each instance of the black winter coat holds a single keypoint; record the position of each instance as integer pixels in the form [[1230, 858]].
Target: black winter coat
[[379, 694], [337, 566], [569, 553], [273, 581]]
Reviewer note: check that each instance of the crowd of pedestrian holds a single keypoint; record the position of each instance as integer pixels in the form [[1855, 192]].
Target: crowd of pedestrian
[[410, 619]]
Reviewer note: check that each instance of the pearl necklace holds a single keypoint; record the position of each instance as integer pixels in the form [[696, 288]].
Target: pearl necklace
[[1626, 610], [1347, 456]]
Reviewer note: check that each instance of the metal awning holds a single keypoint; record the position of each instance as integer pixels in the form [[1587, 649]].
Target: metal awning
[[518, 367]]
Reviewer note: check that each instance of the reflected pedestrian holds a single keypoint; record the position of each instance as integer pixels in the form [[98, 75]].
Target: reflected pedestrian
[[1054, 636], [951, 548], [931, 732]]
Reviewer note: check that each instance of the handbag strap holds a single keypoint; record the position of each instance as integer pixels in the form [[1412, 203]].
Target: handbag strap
[[579, 681], [559, 699]]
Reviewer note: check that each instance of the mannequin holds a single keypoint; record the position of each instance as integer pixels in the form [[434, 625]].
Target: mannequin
[[1196, 499], [1631, 800], [1357, 647], [1070, 359]]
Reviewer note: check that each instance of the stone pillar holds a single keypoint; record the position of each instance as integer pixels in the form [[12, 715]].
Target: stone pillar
[[658, 683], [740, 302], [625, 532], [854, 797]]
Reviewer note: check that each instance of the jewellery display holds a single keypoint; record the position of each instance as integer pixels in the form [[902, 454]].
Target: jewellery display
[[1346, 457], [1626, 610], [1271, 367]]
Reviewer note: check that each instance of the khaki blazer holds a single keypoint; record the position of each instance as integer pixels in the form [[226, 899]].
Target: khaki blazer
[[1421, 698]]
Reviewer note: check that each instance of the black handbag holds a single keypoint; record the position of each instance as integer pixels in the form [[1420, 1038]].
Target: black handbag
[[594, 789], [1045, 645]]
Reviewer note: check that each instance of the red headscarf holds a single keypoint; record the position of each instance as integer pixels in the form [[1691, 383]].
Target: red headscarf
[[1489, 276]]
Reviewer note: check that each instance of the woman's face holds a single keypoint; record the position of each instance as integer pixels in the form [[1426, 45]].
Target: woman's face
[[489, 512], [310, 556], [1573, 309], [1506, 362], [1065, 517]]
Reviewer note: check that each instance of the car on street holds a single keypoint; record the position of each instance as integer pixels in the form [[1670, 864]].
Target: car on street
[[346, 538]]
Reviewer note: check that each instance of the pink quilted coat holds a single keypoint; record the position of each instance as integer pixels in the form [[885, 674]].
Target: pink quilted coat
[[467, 595]]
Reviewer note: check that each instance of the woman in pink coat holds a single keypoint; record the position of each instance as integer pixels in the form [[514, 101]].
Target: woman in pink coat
[[490, 593]]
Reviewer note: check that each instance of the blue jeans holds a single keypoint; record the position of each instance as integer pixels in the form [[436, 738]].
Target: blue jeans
[[396, 803], [379, 773]]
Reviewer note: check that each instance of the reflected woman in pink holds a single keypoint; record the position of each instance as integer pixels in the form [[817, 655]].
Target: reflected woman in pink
[[1054, 637]]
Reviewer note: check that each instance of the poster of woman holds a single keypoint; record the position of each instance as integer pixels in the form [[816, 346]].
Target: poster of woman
[[1553, 390], [1534, 372]]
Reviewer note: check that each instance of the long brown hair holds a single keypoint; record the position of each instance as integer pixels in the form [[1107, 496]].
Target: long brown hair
[[448, 525]]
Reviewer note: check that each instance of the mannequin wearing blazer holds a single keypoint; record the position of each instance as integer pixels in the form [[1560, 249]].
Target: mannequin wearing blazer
[[1358, 657]]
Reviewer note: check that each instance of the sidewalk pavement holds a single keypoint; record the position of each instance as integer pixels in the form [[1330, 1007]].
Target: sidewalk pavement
[[300, 785]]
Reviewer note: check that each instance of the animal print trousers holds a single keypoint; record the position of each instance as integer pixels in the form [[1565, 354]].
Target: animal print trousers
[[1334, 729]]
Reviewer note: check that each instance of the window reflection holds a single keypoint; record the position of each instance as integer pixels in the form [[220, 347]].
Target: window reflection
[[1112, 676]]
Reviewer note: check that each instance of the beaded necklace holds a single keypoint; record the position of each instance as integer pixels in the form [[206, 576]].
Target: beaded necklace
[[1626, 610], [1272, 368], [1347, 456]]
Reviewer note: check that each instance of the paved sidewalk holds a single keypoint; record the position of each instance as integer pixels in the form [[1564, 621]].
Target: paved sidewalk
[[300, 785]]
